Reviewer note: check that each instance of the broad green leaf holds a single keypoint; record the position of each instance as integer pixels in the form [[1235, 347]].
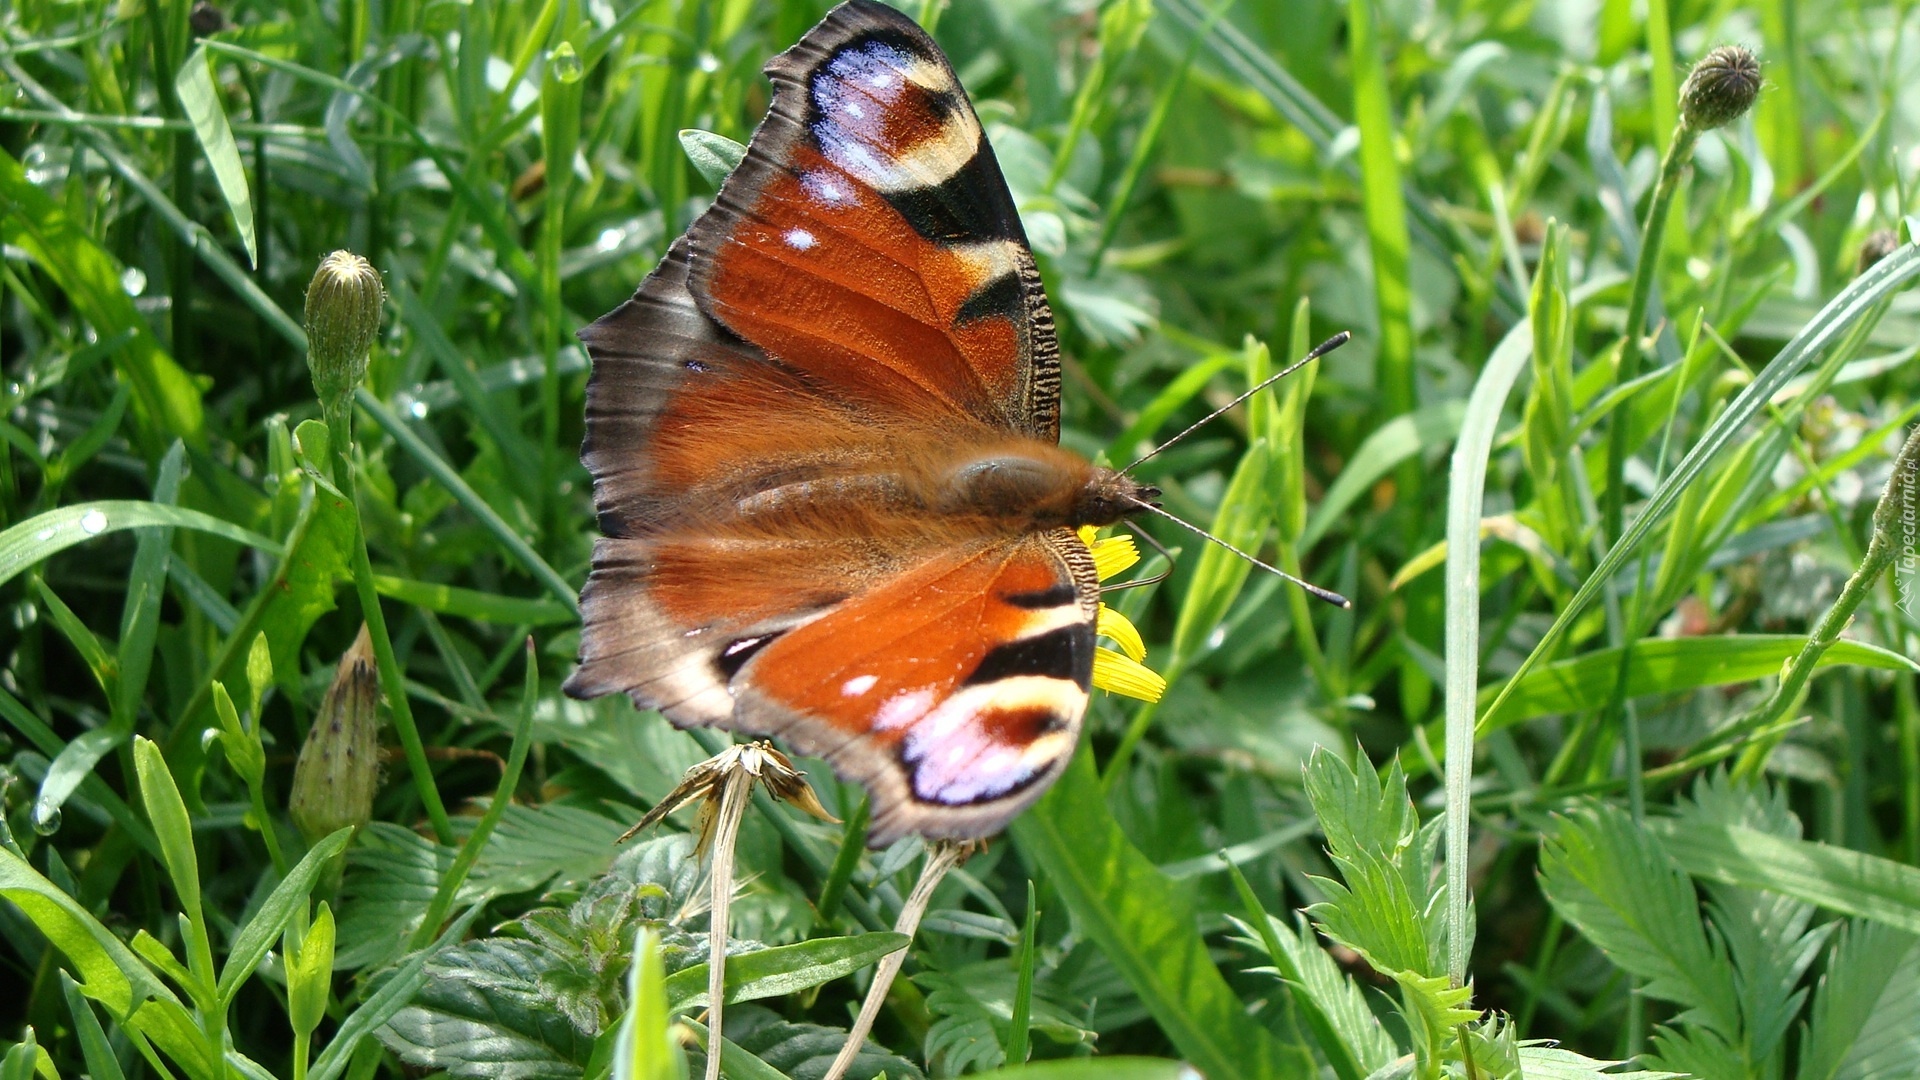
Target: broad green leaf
[[200, 100], [109, 971], [783, 970], [1545, 1061], [1145, 926], [1835, 878], [250, 945], [533, 845], [713, 156], [1392, 443], [33, 221], [1178, 391], [1219, 574], [393, 995], [1613, 881], [146, 585], [772, 1048], [1105, 1068], [1865, 1020], [1667, 666], [94, 1048], [305, 581], [483, 1013], [48, 534], [167, 812]]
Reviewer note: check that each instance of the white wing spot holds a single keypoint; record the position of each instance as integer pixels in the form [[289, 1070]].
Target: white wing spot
[[824, 187], [800, 239], [858, 685]]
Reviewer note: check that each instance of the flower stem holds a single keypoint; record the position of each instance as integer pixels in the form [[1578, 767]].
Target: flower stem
[[943, 856], [1672, 167], [392, 680], [733, 806], [1881, 551]]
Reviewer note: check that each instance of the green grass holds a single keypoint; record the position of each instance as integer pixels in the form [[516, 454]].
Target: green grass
[[1594, 599]]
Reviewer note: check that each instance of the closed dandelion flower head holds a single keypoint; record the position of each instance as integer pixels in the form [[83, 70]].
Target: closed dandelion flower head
[[1119, 670]]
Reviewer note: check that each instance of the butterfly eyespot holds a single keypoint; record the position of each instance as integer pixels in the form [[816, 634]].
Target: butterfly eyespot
[[737, 653]]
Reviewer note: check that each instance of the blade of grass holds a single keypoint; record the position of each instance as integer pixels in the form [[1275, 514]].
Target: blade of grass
[[1853, 303], [1143, 924]]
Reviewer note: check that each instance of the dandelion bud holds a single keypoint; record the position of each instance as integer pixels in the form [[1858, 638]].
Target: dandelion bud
[[1720, 88], [1878, 245], [339, 767], [343, 318]]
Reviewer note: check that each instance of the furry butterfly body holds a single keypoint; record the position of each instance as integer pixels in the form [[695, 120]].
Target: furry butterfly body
[[823, 436]]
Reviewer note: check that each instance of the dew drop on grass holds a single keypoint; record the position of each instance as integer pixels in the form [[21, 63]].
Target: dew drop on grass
[[93, 522], [46, 822], [418, 409]]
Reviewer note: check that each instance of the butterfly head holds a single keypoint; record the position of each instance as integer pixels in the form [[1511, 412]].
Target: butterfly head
[[1109, 496]]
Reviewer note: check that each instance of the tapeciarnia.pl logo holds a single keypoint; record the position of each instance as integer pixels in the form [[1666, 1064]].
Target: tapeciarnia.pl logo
[[1907, 570]]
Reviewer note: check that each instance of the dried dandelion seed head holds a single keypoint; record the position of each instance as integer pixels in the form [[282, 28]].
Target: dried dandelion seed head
[[1720, 88], [339, 766], [707, 781], [344, 306]]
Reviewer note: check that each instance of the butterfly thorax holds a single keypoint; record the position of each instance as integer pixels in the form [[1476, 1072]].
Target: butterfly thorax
[[1031, 486]]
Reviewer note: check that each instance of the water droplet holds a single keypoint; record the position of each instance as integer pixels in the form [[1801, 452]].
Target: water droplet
[[94, 522], [132, 280], [610, 238], [709, 63], [43, 535], [418, 409], [566, 64], [46, 820]]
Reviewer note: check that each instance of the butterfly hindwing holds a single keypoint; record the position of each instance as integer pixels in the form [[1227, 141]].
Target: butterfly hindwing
[[954, 692]]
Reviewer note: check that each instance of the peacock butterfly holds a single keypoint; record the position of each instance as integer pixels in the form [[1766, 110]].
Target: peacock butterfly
[[824, 443]]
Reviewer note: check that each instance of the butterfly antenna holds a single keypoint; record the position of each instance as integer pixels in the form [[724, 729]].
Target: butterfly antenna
[[1328, 595], [1319, 351]]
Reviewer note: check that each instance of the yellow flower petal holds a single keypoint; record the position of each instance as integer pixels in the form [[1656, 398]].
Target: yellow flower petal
[[1120, 675], [1113, 555], [1120, 630]]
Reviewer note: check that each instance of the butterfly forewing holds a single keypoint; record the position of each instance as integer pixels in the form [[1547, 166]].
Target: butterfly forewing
[[799, 428]]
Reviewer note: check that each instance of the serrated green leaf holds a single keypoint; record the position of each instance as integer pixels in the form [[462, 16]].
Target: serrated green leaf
[[1835, 878], [1612, 880], [782, 970], [1358, 810], [1362, 1045], [1865, 1020]]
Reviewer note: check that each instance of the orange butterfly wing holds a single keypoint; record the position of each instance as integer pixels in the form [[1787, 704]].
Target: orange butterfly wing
[[859, 301]]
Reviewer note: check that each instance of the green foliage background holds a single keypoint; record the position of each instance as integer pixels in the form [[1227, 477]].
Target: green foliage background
[[1675, 852]]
